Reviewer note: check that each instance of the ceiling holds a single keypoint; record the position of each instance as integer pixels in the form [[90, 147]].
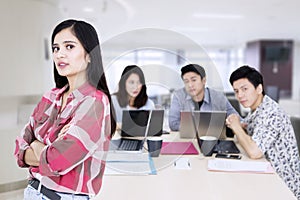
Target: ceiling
[[209, 23]]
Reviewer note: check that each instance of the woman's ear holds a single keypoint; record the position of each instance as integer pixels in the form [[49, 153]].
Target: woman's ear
[[88, 58]]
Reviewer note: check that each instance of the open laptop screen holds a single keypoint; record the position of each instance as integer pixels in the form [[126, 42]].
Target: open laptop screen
[[207, 123], [134, 123]]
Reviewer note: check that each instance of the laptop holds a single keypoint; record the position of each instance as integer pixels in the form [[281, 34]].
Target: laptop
[[210, 123], [136, 126], [134, 123]]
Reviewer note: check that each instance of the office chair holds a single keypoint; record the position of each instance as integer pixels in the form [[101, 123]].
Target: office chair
[[296, 125], [273, 92], [235, 104]]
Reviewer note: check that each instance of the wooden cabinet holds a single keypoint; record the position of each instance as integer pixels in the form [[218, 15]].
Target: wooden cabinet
[[274, 59]]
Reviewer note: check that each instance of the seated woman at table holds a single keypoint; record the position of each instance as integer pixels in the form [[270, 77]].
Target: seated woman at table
[[132, 93], [267, 130]]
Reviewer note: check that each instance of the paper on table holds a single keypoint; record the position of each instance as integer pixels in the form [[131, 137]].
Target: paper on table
[[178, 148], [128, 168], [127, 157], [239, 166], [182, 163], [121, 163]]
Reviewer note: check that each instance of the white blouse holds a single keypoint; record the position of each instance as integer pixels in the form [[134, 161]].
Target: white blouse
[[119, 110]]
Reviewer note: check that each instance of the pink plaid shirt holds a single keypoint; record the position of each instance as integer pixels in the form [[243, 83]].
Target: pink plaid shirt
[[74, 164]]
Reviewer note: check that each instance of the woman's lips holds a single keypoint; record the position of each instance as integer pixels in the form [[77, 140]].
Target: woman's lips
[[62, 64]]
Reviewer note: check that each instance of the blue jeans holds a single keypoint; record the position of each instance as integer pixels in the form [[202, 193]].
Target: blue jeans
[[32, 194]]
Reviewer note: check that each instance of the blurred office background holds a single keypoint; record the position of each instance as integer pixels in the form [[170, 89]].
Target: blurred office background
[[160, 36]]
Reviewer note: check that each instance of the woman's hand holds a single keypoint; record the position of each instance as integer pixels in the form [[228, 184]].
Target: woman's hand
[[63, 132], [119, 126], [30, 158], [37, 148]]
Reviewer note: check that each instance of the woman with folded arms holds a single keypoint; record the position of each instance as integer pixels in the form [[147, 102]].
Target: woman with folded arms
[[132, 93], [66, 139]]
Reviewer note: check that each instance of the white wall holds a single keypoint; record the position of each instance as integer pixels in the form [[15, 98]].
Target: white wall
[[25, 72], [25, 40]]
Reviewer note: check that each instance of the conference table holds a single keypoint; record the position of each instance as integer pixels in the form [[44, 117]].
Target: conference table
[[195, 182]]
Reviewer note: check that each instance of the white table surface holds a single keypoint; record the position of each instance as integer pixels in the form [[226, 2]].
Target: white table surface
[[194, 183]]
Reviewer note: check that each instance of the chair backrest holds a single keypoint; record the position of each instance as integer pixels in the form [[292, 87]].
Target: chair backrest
[[296, 125], [273, 92], [235, 104]]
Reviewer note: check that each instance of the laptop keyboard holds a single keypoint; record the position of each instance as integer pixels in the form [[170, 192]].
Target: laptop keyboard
[[130, 145]]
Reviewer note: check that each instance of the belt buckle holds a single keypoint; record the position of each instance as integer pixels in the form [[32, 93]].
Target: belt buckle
[[34, 183], [31, 181]]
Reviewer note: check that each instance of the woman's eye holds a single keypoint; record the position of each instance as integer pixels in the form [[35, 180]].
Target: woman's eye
[[55, 49], [70, 46]]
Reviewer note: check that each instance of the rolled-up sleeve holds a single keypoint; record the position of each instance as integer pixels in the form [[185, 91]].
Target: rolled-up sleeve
[[23, 142], [21, 147]]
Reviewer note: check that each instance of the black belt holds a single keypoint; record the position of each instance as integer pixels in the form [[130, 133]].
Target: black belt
[[45, 191]]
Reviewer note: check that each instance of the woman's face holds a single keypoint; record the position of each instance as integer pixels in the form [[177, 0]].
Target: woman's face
[[133, 85], [69, 55]]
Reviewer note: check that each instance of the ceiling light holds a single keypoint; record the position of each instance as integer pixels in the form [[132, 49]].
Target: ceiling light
[[217, 16], [88, 9], [192, 29]]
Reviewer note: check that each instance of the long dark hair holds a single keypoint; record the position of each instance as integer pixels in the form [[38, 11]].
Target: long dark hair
[[122, 94], [88, 37]]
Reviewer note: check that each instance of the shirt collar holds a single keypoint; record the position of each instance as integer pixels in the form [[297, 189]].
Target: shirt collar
[[261, 106], [60, 92], [78, 93], [84, 90], [206, 96]]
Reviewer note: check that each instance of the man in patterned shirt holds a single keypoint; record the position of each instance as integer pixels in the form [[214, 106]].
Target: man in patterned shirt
[[267, 130]]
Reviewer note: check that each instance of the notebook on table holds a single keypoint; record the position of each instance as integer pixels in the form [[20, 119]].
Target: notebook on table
[[136, 126], [194, 124], [178, 148]]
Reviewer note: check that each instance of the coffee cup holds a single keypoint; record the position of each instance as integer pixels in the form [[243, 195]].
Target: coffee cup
[[154, 146], [207, 144]]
